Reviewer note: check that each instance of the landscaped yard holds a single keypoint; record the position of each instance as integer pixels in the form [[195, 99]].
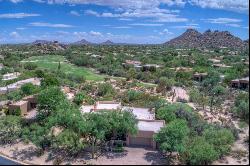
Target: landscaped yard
[[51, 62]]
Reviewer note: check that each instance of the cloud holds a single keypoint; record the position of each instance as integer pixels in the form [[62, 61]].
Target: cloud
[[14, 35], [222, 20], [126, 19], [122, 4], [125, 5], [231, 5], [44, 24], [146, 25], [91, 12], [122, 27], [18, 15], [187, 26], [232, 22], [156, 14], [233, 25], [21, 28], [93, 33], [39, 1], [166, 32], [74, 13], [16, 1], [62, 32]]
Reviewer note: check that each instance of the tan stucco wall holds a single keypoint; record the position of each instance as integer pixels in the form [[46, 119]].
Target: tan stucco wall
[[142, 134], [24, 108]]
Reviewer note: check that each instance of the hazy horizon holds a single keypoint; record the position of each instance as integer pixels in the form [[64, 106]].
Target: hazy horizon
[[121, 21]]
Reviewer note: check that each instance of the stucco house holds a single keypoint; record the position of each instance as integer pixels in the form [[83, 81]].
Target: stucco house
[[145, 136], [25, 105], [147, 125]]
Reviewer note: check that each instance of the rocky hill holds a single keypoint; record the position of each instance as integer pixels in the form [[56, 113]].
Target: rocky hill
[[209, 39], [108, 42], [82, 42], [45, 46]]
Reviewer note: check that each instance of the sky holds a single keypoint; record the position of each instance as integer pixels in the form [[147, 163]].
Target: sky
[[121, 21]]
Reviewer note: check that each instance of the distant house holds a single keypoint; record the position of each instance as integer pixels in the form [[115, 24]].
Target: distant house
[[130, 63], [242, 83], [10, 76], [96, 56], [101, 106], [147, 125], [184, 69], [150, 67], [221, 66], [17, 85], [214, 61], [199, 77], [26, 105]]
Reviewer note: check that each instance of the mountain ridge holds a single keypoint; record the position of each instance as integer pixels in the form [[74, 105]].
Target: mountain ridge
[[191, 38]]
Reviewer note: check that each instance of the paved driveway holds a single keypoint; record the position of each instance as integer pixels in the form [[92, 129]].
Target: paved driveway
[[132, 156]]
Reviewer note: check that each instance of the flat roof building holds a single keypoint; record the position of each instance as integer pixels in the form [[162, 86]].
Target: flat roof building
[[147, 125], [242, 83], [10, 76], [199, 76], [18, 84]]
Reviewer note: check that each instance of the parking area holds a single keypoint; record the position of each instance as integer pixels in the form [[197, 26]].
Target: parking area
[[132, 156]]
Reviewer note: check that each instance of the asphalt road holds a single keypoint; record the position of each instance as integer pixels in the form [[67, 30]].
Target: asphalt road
[[4, 161]]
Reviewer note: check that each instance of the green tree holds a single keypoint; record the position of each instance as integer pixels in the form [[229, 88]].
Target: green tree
[[38, 135], [70, 141], [198, 97], [49, 100], [241, 106], [165, 84], [29, 89], [50, 80], [105, 89], [59, 66], [39, 73], [15, 95], [211, 80], [79, 98], [96, 130], [216, 98], [172, 137], [221, 139], [120, 123], [30, 66], [131, 74], [200, 152], [10, 128], [166, 113], [108, 125]]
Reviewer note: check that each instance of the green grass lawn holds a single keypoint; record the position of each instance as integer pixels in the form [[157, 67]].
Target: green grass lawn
[[50, 62]]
